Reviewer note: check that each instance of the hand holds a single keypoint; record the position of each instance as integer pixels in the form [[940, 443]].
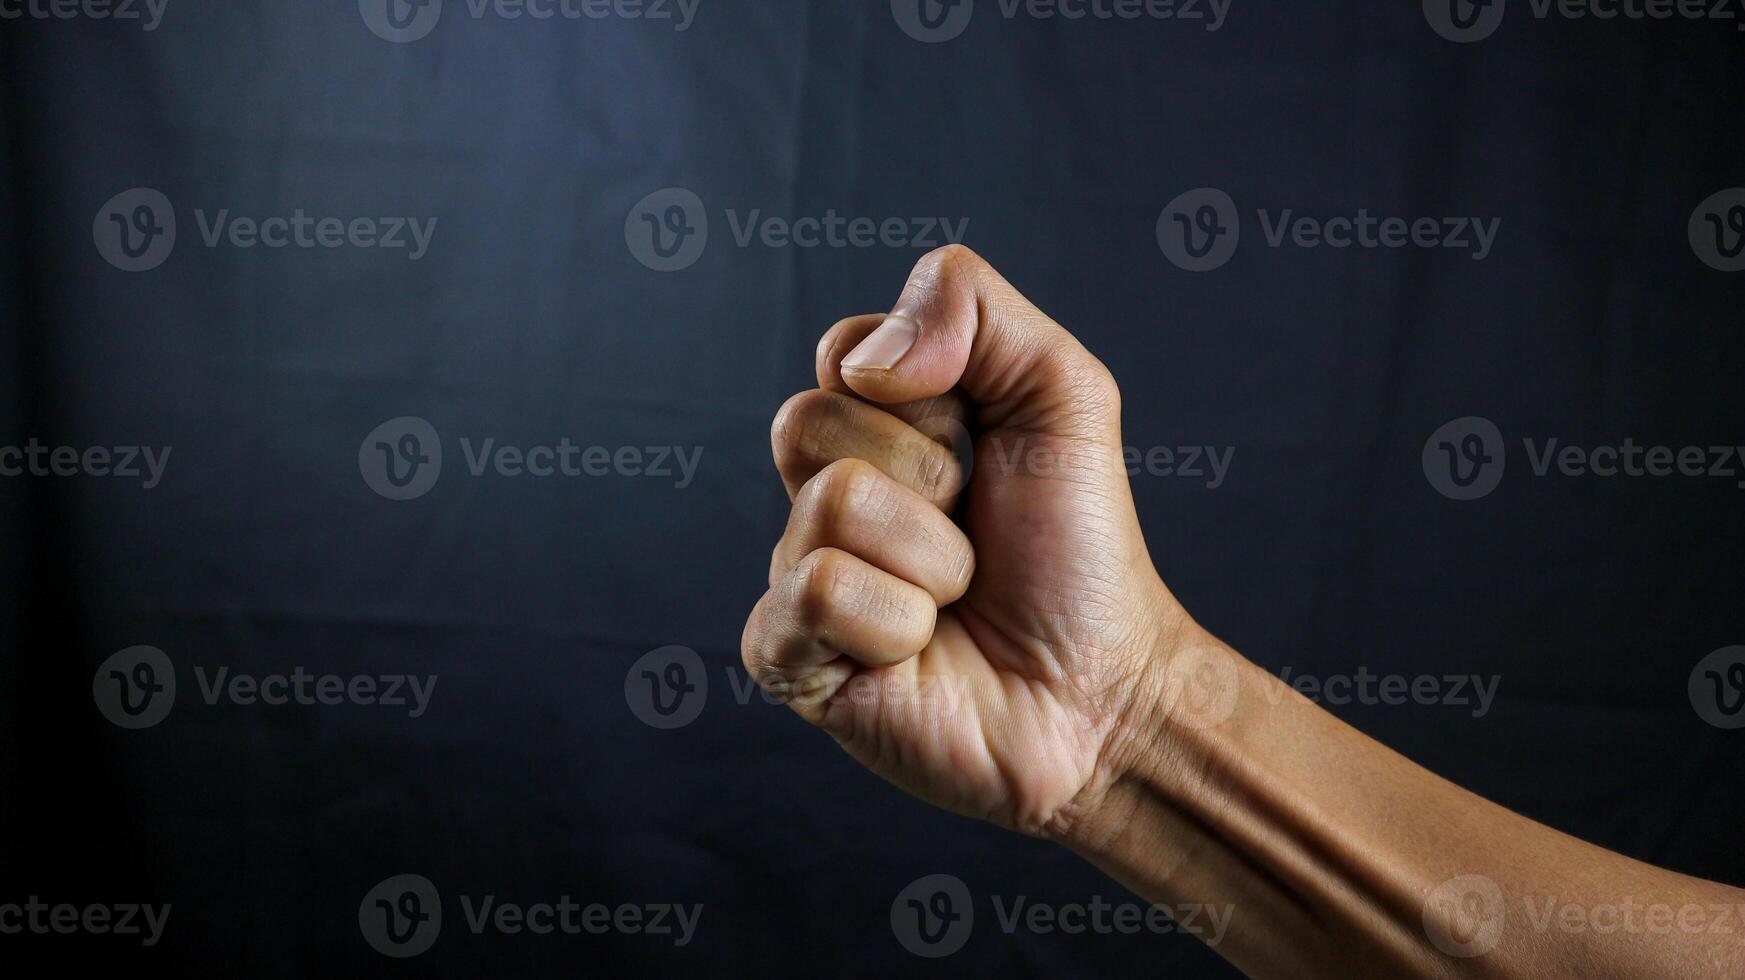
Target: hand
[[1025, 664], [985, 665]]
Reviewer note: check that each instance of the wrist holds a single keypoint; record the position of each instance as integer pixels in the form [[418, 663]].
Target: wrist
[[1173, 713]]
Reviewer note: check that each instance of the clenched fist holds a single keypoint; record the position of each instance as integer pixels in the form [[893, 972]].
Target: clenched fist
[[986, 630], [971, 626]]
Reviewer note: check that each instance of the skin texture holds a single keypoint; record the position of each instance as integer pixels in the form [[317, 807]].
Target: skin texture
[[963, 599]]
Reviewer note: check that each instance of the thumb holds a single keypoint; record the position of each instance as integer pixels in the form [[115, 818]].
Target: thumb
[[958, 323]]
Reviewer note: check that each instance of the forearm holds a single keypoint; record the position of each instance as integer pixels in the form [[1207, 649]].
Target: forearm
[[1231, 789], [1087, 707]]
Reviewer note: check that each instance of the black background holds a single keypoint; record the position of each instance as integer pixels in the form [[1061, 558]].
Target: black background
[[1325, 550]]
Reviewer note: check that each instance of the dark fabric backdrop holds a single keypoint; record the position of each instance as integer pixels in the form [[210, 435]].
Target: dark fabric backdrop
[[1325, 550]]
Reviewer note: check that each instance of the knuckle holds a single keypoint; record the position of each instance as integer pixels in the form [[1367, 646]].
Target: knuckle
[[798, 429], [752, 653], [945, 271], [778, 561], [960, 569], [1085, 378], [913, 617], [770, 675], [955, 259], [818, 587], [935, 470], [839, 492], [755, 662], [1100, 383], [761, 661]]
